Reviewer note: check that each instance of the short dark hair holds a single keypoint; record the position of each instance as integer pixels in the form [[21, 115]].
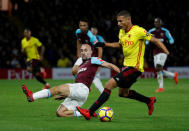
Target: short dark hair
[[124, 13], [84, 20]]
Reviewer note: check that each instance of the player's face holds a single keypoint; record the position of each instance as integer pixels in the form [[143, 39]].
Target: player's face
[[86, 51], [157, 23], [123, 22], [27, 33], [83, 26], [94, 31]]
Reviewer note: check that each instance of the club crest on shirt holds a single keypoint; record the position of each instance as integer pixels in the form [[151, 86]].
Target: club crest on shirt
[[161, 34], [129, 35]]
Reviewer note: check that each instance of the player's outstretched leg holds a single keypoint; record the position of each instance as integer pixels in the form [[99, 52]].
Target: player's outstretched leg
[[171, 75], [37, 95], [28, 93], [151, 105]]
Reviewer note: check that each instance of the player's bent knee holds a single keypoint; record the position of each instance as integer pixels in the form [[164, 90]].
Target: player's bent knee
[[60, 114], [159, 67]]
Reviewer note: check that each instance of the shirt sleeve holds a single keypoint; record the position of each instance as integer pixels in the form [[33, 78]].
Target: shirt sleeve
[[38, 43], [77, 32], [97, 60], [150, 31], [169, 37], [143, 34], [92, 37], [100, 38]]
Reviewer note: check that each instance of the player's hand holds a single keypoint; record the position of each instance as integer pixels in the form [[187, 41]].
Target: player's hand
[[100, 44], [59, 98], [41, 58]]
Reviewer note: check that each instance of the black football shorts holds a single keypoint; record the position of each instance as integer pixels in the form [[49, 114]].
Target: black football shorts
[[127, 77]]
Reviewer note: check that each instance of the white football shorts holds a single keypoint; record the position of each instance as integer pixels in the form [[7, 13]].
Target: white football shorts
[[79, 61], [160, 59], [78, 95]]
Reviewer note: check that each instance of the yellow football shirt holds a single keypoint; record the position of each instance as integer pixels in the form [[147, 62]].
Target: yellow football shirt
[[133, 46], [30, 48]]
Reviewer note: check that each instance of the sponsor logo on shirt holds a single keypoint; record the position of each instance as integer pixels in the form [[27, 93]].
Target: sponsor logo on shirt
[[127, 43], [82, 69]]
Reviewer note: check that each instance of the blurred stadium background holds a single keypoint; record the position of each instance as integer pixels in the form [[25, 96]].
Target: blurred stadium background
[[54, 23]]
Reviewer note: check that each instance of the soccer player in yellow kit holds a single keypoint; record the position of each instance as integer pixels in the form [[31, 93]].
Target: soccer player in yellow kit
[[30, 46], [132, 40]]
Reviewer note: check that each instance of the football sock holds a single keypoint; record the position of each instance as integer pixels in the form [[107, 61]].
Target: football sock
[[40, 79], [134, 95], [98, 84], [42, 94], [160, 79], [101, 100], [77, 114], [168, 74]]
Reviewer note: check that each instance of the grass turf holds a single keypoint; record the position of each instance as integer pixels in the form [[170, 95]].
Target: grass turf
[[171, 110]]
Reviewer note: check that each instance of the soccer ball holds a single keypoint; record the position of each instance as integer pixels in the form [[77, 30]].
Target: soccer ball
[[105, 114]]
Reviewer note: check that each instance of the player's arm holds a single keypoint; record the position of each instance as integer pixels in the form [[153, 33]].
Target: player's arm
[[42, 50], [159, 44], [111, 66], [78, 49], [100, 52], [23, 50], [112, 45], [22, 47], [169, 37], [100, 62]]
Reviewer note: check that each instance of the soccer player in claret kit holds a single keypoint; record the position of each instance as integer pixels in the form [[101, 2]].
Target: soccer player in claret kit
[[132, 40], [75, 94], [160, 57], [30, 46], [85, 36]]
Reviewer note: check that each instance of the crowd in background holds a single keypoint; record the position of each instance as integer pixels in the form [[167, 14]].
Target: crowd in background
[[54, 23]]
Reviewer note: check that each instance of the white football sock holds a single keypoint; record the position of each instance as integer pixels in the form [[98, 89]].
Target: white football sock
[[160, 79], [168, 74], [77, 114], [41, 94], [98, 84]]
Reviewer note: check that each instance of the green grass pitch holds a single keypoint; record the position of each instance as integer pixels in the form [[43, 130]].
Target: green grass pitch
[[171, 110]]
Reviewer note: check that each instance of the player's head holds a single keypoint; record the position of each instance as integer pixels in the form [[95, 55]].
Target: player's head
[[27, 33], [83, 25], [124, 19], [158, 22], [94, 30], [86, 51]]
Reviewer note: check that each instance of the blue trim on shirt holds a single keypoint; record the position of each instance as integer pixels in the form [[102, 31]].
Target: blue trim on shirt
[[92, 37], [97, 61], [100, 38], [77, 32], [168, 35]]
